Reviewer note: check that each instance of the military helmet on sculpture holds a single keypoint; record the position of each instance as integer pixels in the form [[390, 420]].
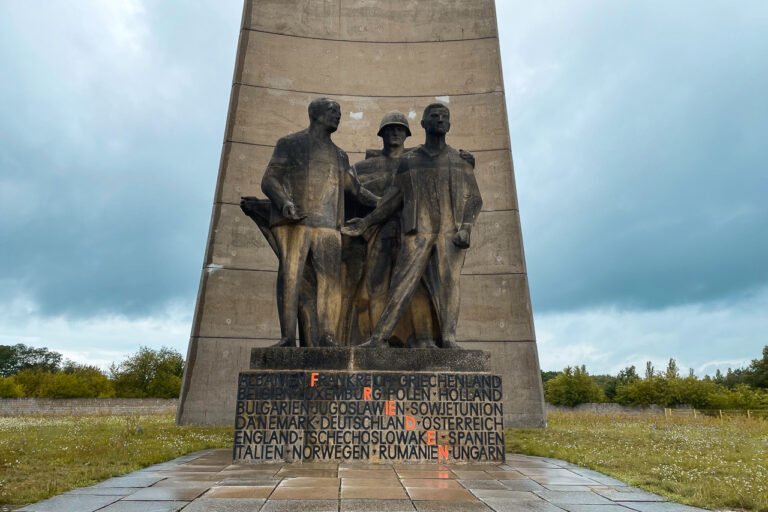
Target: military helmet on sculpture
[[394, 118]]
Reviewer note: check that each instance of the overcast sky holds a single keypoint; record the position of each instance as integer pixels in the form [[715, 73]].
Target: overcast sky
[[638, 131]]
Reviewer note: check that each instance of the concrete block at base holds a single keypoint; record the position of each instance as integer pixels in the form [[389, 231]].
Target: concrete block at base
[[518, 365], [209, 391]]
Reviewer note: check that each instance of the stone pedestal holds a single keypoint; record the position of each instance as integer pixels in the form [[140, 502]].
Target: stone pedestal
[[373, 406]]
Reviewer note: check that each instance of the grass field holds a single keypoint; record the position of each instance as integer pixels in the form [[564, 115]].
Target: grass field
[[701, 461], [45, 456]]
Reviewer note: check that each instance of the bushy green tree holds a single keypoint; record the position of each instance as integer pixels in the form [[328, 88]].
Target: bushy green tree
[[732, 378], [668, 389], [607, 383], [690, 391], [149, 373], [757, 372], [611, 385], [75, 381], [15, 358], [572, 387], [672, 372], [650, 371], [9, 388], [643, 392], [31, 381], [740, 397]]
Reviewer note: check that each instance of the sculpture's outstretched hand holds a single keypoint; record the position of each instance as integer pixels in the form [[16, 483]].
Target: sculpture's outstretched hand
[[290, 212], [461, 239], [247, 204], [354, 227]]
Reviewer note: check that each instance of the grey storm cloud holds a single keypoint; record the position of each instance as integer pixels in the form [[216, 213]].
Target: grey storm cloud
[[111, 134], [637, 131]]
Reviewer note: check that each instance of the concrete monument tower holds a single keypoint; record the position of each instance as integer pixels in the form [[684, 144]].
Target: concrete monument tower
[[371, 58]]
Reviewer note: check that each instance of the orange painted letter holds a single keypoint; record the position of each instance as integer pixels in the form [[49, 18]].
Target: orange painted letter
[[389, 407], [410, 423], [313, 379], [431, 436], [442, 453], [366, 393]]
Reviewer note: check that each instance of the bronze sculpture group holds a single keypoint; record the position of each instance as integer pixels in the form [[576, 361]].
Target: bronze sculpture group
[[369, 254]]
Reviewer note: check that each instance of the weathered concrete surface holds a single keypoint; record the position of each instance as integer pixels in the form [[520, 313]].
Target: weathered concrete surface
[[371, 57], [210, 390], [273, 60], [393, 20], [258, 114], [520, 386]]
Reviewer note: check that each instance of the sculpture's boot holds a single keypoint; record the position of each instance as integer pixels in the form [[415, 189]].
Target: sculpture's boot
[[327, 340], [374, 343], [285, 342], [424, 343]]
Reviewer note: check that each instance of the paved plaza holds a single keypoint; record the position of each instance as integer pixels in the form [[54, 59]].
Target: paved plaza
[[208, 482]]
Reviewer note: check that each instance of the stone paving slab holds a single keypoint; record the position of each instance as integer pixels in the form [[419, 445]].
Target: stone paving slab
[[145, 506], [442, 506], [224, 505], [104, 491], [376, 506], [71, 503], [207, 482], [595, 508]]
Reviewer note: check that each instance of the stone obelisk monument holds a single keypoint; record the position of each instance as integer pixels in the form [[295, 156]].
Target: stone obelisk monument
[[372, 58]]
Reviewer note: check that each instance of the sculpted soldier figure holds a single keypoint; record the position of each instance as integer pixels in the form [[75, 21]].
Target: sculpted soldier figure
[[436, 193], [305, 182], [377, 174]]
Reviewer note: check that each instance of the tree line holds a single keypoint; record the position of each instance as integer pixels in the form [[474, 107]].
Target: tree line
[[41, 373], [743, 388]]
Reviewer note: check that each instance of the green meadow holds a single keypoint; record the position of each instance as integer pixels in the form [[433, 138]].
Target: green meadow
[[45, 456]]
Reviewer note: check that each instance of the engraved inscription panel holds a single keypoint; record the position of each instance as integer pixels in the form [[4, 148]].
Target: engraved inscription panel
[[376, 417]]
